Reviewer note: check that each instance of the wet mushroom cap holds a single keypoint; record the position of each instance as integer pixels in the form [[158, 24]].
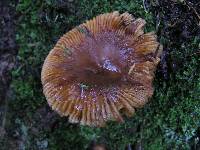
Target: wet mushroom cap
[[101, 69]]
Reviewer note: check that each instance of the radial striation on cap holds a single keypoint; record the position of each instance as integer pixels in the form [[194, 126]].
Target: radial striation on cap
[[101, 69]]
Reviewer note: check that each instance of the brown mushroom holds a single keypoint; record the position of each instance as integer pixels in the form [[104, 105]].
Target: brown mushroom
[[101, 69]]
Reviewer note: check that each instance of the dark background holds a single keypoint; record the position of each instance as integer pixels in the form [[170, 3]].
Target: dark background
[[28, 31]]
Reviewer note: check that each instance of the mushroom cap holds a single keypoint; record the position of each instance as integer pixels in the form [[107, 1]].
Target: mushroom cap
[[101, 69]]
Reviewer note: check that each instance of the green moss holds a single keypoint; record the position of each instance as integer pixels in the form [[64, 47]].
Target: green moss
[[169, 120]]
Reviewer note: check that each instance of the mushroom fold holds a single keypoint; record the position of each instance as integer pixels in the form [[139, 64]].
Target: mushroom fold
[[101, 69]]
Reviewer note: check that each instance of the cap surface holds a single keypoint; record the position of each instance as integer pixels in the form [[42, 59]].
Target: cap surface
[[101, 69]]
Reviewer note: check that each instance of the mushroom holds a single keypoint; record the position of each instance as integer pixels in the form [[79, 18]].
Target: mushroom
[[101, 69]]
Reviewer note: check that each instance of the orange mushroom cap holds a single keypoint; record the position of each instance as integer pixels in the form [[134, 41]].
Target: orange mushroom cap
[[101, 69]]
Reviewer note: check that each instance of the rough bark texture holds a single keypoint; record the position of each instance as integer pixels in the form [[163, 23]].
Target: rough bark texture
[[8, 51]]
